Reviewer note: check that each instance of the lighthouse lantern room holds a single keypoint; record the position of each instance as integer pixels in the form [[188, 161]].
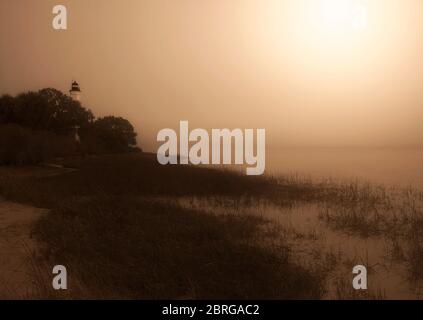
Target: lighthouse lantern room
[[75, 91]]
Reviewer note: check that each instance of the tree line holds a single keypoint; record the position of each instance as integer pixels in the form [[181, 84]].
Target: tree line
[[54, 115]]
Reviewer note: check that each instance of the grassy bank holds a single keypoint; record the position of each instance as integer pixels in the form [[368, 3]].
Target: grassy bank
[[118, 240], [127, 227]]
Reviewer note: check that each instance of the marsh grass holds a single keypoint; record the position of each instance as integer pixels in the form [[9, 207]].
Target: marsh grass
[[136, 248], [116, 223], [345, 291], [396, 214], [119, 242]]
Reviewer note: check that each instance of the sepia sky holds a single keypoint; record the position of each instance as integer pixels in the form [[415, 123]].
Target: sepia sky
[[302, 69]]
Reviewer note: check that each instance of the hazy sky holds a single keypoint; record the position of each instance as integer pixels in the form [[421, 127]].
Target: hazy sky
[[301, 69]]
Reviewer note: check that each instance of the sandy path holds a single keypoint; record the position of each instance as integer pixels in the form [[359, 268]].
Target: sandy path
[[16, 249]]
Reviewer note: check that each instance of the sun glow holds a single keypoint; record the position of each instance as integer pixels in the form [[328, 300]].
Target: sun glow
[[336, 15], [330, 47]]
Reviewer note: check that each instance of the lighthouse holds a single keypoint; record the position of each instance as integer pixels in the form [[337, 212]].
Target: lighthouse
[[75, 91]]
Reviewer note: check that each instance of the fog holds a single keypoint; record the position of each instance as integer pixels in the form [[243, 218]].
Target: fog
[[228, 63]]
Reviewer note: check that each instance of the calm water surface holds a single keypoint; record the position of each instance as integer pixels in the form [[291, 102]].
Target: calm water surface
[[400, 166]]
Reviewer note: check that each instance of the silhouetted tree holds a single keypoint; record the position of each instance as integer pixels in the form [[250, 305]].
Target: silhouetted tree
[[7, 107], [47, 109], [64, 112], [116, 134], [31, 110]]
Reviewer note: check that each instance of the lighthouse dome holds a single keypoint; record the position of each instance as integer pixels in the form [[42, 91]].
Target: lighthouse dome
[[75, 91], [75, 86]]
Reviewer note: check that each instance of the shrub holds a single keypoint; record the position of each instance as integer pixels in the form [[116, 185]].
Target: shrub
[[21, 146]]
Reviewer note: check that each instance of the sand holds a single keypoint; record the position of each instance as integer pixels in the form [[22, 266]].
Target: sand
[[17, 248]]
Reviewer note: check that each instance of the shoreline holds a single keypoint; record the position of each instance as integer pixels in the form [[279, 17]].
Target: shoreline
[[120, 193]]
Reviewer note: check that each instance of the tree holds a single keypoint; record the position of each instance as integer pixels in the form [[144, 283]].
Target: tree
[[7, 107], [31, 110], [64, 111], [51, 110], [47, 109], [116, 134]]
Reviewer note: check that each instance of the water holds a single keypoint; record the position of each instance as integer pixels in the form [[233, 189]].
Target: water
[[401, 167], [388, 166], [314, 244], [389, 278]]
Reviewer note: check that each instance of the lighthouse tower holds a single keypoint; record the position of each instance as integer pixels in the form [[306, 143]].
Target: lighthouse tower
[[75, 91]]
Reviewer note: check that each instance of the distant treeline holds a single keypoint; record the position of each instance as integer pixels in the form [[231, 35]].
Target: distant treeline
[[35, 126]]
